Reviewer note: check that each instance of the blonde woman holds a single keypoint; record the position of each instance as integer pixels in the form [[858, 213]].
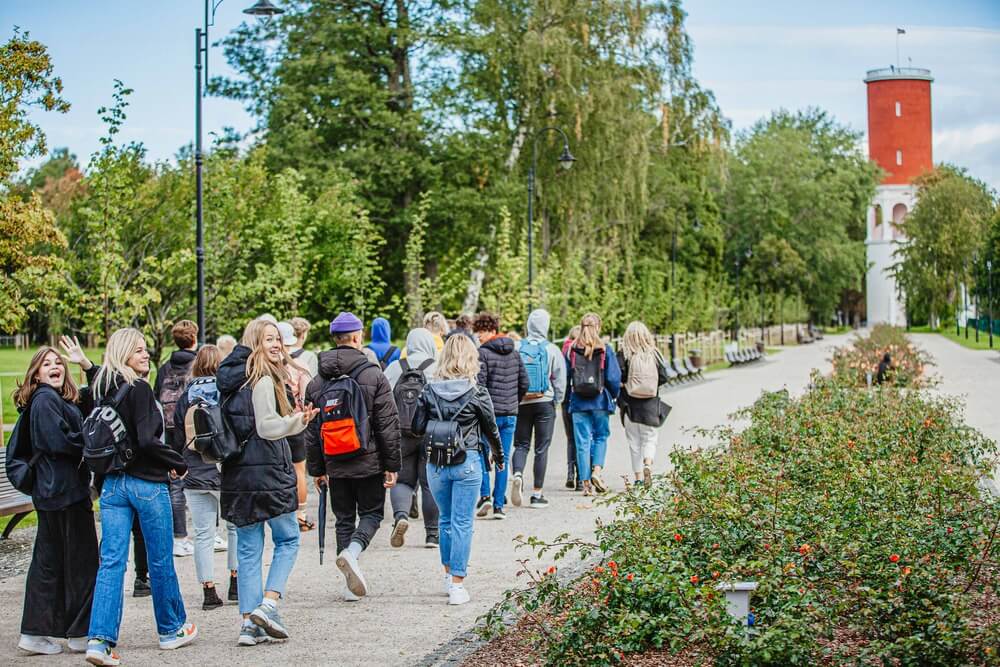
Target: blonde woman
[[259, 485], [594, 380], [59, 587], [141, 489], [298, 351], [643, 373], [453, 395]]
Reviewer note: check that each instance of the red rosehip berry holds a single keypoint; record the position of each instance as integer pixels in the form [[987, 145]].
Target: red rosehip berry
[[629, 577], [677, 537], [894, 558], [950, 530], [552, 569], [694, 578]]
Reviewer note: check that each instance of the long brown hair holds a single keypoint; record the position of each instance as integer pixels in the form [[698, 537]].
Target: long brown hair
[[206, 362], [589, 338], [25, 389], [259, 365]]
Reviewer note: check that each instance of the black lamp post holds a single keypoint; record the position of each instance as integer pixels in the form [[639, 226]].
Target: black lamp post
[[262, 9], [965, 297], [989, 292], [566, 161]]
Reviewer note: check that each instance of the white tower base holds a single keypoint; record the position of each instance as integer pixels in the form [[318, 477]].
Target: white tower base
[[885, 304]]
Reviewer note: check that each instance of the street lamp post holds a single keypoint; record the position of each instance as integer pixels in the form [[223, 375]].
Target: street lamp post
[[566, 161], [989, 292], [262, 9], [965, 297]]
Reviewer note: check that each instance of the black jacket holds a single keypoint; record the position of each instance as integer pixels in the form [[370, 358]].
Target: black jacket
[[181, 362], [201, 476], [382, 416], [477, 420], [502, 372], [640, 410], [143, 420], [260, 483], [55, 426]]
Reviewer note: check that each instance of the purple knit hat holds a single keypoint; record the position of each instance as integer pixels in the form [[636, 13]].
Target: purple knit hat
[[345, 323]]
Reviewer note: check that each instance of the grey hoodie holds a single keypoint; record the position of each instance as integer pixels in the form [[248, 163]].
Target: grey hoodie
[[420, 347], [538, 330]]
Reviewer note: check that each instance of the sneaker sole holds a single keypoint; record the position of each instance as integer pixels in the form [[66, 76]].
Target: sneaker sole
[[455, 604], [598, 485], [176, 644], [210, 607], [515, 492], [398, 536], [431, 545], [500, 517], [33, 651], [101, 660], [354, 582], [536, 506], [254, 641], [270, 627], [483, 511]]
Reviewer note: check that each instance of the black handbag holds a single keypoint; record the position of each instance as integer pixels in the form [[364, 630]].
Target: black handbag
[[662, 412]]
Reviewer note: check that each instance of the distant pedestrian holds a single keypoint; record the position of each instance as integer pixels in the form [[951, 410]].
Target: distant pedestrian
[[643, 373], [884, 368], [354, 445], [502, 372], [298, 351], [594, 380], [546, 371], [572, 481], [59, 588], [454, 399], [225, 343], [463, 326], [381, 344], [436, 323]]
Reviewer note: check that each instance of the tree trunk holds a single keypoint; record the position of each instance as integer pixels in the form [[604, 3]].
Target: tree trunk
[[476, 277]]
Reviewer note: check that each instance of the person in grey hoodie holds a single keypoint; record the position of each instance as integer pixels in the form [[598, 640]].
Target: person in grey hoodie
[[403, 376], [546, 371]]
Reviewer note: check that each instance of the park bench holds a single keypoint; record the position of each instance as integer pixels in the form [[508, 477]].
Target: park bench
[[13, 502], [672, 376], [679, 368], [692, 369]]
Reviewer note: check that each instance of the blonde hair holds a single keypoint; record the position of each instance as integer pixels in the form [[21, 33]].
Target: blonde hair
[[459, 360], [25, 389], [259, 365], [300, 326], [121, 346], [637, 339], [589, 337], [225, 343], [206, 362], [250, 331], [436, 323]]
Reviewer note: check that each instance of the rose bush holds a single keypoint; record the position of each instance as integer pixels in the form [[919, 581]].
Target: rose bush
[[852, 364], [859, 514]]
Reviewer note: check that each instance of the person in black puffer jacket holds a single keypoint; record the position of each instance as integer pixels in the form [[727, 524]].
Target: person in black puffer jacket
[[503, 374], [60, 584], [359, 483], [201, 486]]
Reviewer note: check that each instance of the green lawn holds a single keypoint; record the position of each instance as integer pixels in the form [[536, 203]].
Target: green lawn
[[949, 333]]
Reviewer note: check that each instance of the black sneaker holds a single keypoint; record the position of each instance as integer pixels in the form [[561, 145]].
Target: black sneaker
[[579, 486], [483, 506], [212, 599], [571, 483], [414, 512], [498, 513], [432, 542], [538, 502], [234, 592], [141, 589]]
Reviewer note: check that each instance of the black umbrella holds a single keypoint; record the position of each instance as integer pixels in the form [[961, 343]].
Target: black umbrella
[[323, 487]]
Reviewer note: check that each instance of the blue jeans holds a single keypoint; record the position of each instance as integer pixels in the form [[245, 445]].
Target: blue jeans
[[250, 548], [204, 506], [506, 426], [590, 430], [123, 497], [455, 490]]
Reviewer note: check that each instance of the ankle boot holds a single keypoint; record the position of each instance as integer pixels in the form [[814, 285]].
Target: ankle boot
[[212, 599], [234, 595]]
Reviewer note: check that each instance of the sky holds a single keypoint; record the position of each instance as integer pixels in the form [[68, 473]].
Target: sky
[[755, 56]]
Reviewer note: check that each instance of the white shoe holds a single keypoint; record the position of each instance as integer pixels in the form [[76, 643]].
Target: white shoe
[[447, 583], [457, 594], [77, 644], [348, 564], [517, 488], [349, 596], [183, 547], [39, 645], [220, 544]]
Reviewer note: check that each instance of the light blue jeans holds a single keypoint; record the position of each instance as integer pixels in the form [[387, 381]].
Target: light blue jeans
[[250, 545], [204, 507], [123, 497], [590, 430], [506, 425], [456, 489]]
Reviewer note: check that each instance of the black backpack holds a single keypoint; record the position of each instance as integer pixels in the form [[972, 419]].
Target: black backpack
[[173, 384], [407, 392], [106, 445], [213, 436], [588, 374], [344, 427], [443, 439], [384, 359], [20, 458]]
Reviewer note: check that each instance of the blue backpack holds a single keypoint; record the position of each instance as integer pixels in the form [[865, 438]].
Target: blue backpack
[[536, 362]]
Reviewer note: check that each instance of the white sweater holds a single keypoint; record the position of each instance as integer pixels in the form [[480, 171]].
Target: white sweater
[[271, 425]]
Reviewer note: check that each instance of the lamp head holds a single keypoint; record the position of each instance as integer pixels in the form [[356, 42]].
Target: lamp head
[[566, 160], [263, 9]]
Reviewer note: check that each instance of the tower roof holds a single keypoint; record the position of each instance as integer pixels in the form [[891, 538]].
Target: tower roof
[[890, 73]]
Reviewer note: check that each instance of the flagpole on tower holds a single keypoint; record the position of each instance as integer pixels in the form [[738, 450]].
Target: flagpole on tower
[[899, 31]]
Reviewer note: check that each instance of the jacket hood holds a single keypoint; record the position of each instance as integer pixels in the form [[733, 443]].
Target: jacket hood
[[232, 373], [420, 347], [451, 390], [340, 361], [500, 345], [538, 324], [182, 357], [381, 331]]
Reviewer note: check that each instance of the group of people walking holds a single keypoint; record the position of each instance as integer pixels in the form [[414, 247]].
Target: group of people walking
[[445, 424]]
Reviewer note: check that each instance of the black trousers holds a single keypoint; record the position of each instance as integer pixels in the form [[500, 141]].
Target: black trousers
[[359, 505], [567, 420], [540, 418], [60, 585], [139, 550]]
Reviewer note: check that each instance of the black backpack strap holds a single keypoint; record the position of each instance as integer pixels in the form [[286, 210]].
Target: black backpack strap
[[464, 404], [424, 366], [359, 369], [404, 365], [388, 353]]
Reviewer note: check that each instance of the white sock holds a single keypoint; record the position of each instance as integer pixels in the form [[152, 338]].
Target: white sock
[[454, 585], [269, 603], [536, 494], [355, 549]]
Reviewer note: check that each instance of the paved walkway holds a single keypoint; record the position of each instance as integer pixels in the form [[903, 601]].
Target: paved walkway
[[406, 618]]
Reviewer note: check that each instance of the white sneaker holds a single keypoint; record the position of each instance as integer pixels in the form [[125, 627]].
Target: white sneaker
[[183, 547], [77, 644], [447, 583], [39, 645], [220, 544], [348, 564], [517, 488], [349, 596], [457, 594]]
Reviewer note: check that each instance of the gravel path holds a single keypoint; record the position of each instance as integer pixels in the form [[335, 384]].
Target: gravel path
[[406, 619]]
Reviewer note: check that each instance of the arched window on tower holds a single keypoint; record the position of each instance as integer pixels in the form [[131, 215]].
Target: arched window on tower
[[898, 215], [877, 229]]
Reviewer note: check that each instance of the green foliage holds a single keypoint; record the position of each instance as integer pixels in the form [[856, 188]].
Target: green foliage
[[853, 364], [506, 291], [858, 513]]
